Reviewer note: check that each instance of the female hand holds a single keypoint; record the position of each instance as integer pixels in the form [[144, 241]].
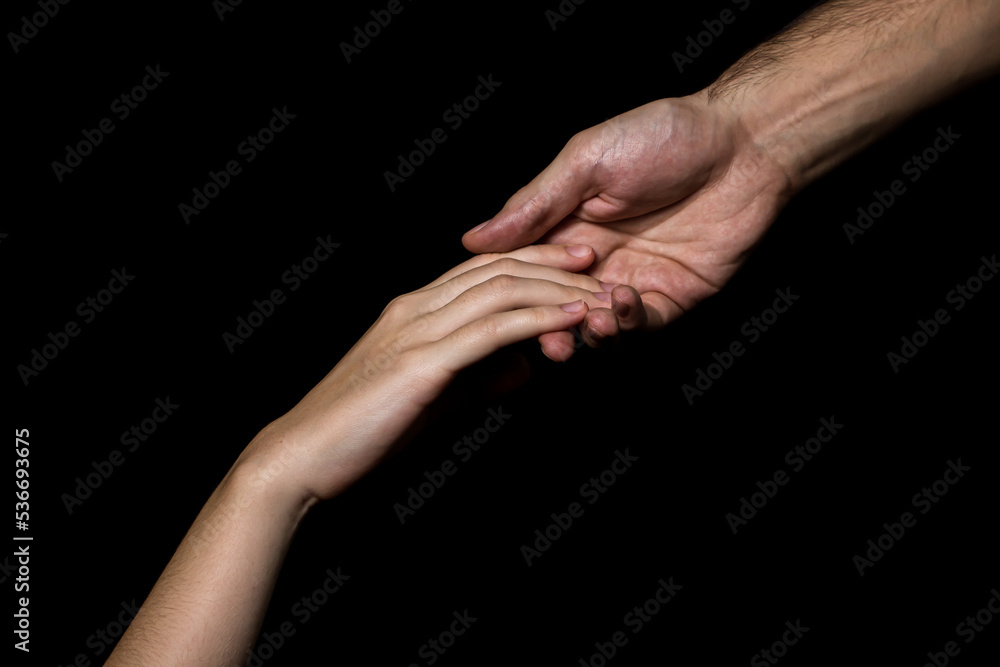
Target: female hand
[[353, 417], [209, 603]]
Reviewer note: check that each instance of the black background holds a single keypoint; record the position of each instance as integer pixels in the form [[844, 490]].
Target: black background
[[324, 176]]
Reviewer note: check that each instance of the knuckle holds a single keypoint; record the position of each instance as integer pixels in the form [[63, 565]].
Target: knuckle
[[538, 205], [401, 306], [582, 143], [589, 148], [537, 316], [504, 265], [489, 325], [394, 306], [578, 140], [500, 286]]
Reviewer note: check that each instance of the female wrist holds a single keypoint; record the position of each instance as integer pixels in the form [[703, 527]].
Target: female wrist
[[268, 472]]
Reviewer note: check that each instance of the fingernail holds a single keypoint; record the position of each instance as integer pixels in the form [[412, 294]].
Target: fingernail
[[574, 307], [603, 296], [607, 287], [577, 250], [478, 227]]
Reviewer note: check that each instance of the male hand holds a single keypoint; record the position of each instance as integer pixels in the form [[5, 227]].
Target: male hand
[[672, 196], [675, 194]]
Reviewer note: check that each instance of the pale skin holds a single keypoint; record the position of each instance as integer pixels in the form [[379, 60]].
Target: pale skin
[[674, 195], [207, 606], [663, 204]]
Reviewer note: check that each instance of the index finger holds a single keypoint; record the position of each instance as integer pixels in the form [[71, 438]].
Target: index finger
[[572, 258]]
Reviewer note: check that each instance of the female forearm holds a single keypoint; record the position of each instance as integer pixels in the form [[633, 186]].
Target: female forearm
[[207, 607], [848, 71]]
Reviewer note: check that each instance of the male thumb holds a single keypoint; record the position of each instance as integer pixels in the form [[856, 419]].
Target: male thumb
[[535, 208]]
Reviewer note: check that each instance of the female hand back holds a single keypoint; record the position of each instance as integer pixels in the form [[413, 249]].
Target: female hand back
[[346, 424]]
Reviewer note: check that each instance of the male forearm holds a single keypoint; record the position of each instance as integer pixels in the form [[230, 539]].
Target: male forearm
[[207, 607], [848, 71]]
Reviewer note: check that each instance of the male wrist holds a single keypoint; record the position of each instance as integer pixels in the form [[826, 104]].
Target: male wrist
[[775, 122], [758, 154], [824, 90]]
